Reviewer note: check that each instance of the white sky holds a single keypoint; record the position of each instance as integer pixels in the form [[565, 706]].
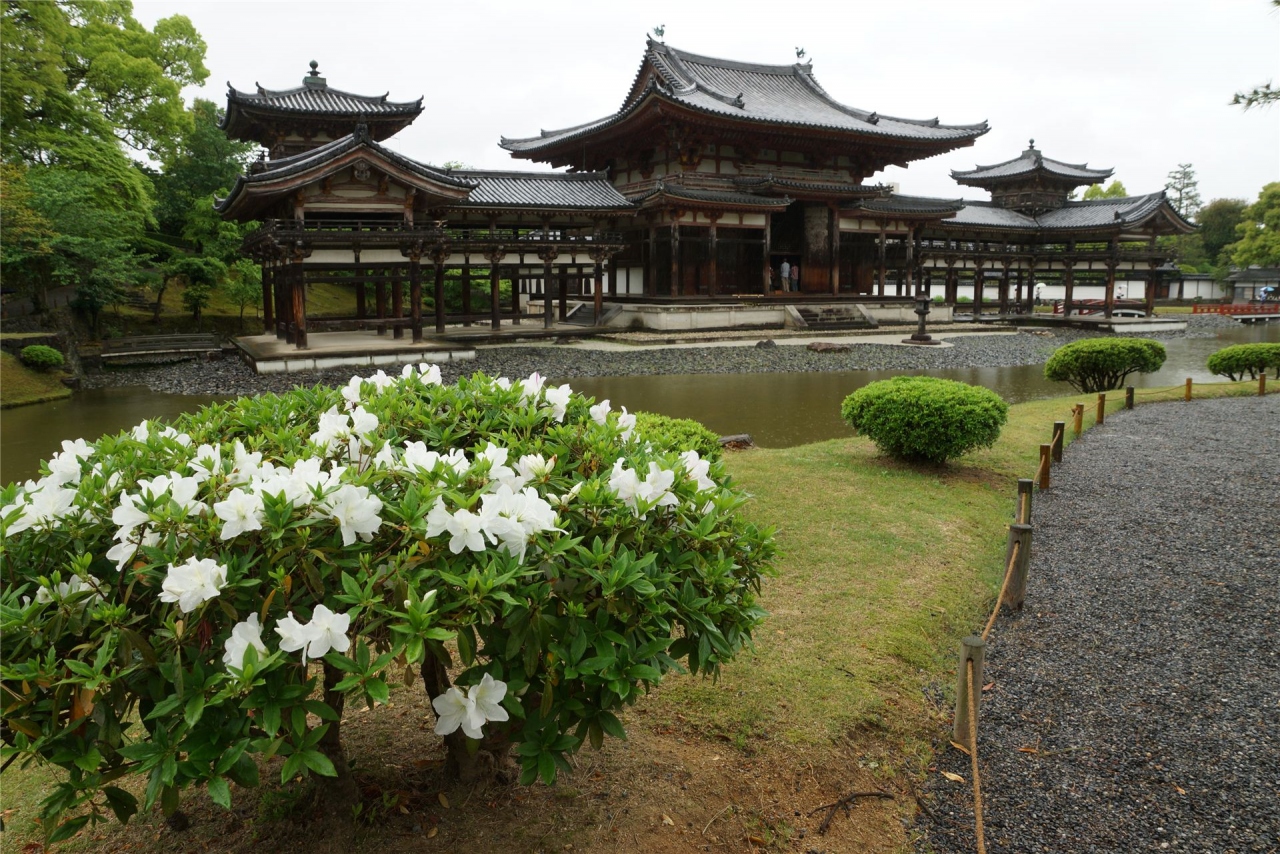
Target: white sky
[[1132, 85]]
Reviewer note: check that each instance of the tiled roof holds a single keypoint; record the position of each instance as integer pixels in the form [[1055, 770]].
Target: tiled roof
[[586, 190], [1094, 215], [315, 97], [785, 95], [897, 204], [770, 180], [1028, 162], [722, 197]]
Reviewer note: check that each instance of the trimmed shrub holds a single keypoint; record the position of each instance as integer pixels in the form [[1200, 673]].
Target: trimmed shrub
[[1252, 359], [180, 600], [678, 434], [41, 357], [926, 418], [1103, 364]]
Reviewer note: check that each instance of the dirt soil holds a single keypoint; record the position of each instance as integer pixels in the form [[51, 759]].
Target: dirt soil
[[666, 789]]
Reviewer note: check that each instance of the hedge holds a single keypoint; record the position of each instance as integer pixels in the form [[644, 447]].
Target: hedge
[[926, 418], [1102, 364]]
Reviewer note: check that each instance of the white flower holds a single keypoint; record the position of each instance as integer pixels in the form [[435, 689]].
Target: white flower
[[245, 634], [487, 697], [697, 470], [362, 422], [558, 400], [510, 518], [70, 587], [535, 467], [327, 631], [65, 467], [294, 636], [418, 458], [123, 552], [627, 424], [600, 412], [140, 433], [385, 458], [128, 515], [531, 388], [497, 459], [429, 374], [242, 511], [181, 438], [193, 582], [355, 511], [457, 710], [246, 465], [467, 530], [43, 504], [503, 383], [654, 490], [333, 429], [207, 461], [351, 391], [438, 519]]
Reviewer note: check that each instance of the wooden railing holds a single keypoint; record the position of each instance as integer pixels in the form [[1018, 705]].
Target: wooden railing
[[160, 345], [1236, 308]]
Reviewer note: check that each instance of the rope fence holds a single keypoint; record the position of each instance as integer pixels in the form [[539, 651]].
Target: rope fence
[[964, 734]]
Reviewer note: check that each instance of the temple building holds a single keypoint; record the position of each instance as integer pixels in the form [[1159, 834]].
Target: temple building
[[710, 179]]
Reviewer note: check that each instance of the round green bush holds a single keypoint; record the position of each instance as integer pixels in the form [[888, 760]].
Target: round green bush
[[1102, 364], [1252, 359], [678, 434], [180, 601], [40, 357], [926, 418]]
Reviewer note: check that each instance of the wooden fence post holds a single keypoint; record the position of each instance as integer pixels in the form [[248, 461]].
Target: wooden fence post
[[1187, 395], [1059, 436], [1077, 419], [1102, 409], [1016, 592], [1022, 512], [1262, 384], [1046, 454], [1128, 397], [971, 648]]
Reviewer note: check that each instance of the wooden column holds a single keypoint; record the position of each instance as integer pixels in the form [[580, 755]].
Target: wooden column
[[613, 280], [439, 254], [562, 293], [299, 298], [834, 232], [284, 300], [548, 310], [415, 292], [677, 286], [951, 286], [1111, 289], [880, 265], [768, 251], [397, 303], [598, 256], [909, 266], [494, 257], [977, 290], [380, 298], [515, 294], [1004, 286], [268, 311], [650, 283], [713, 263], [1153, 280], [1069, 287], [466, 290]]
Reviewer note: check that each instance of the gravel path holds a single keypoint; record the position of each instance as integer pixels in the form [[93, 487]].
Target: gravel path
[[1145, 668], [232, 377]]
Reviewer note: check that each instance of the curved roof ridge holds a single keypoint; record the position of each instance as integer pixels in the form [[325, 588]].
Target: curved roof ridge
[[264, 93], [732, 64], [536, 175]]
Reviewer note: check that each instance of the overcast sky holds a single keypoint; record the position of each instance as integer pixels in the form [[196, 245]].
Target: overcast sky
[[1135, 86]]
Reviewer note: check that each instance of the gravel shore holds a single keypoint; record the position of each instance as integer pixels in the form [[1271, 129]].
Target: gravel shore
[[232, 377], [1136, 699]]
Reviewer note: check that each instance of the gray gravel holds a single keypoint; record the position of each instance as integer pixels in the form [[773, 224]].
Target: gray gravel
[[1145, 668], [231, 377]]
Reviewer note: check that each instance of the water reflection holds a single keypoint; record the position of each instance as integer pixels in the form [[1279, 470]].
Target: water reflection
[[778, 410]]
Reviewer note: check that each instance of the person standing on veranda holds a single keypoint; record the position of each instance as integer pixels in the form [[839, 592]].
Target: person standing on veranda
[[786, 275], [795, 278]]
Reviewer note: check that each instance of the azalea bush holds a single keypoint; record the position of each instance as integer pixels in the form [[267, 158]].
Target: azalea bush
[[41, 357], [183, 600], [926, 418], [1241, 360], [1102, 364], [679, 433]]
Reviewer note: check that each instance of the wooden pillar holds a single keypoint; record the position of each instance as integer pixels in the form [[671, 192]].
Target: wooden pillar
[[380, 297], [439, 255], [466, 290], [548, 310], [677, 286], [713, 263], [880, 268], [910, 263], [562, 293], [299, 301], [1069, 288], [1153, 280], [494, 256], [515, 294], [768, 251], [613, 280], [360, 306], [977, 290], [284, 301], [598, 257], [268, 312], [951, 286], [834, 234], [397, 302], [1111, 289], [1004, 287], [650, 282], [415, 293]]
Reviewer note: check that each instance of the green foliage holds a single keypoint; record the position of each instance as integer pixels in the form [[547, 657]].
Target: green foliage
[[1236, 361], [1218, 221], [1114, 190], [1259, 231], [243, 286], [926, 418], [205, 162], [622, 562], [678, 434], [1102, 364], [1184, 191], [42, 357]]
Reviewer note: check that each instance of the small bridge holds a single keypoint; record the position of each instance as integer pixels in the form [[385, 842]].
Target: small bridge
[[160, 345], [1244, 311]]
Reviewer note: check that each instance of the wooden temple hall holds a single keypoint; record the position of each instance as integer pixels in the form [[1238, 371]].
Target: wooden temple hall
[[709, 177]]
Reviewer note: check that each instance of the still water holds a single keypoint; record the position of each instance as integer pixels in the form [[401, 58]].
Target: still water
[[778, 410]]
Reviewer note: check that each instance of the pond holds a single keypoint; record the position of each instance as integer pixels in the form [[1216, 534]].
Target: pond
[[778, 410]]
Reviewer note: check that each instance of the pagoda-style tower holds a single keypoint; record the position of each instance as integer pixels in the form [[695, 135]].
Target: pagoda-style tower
[[291, 121], [1031, 183]]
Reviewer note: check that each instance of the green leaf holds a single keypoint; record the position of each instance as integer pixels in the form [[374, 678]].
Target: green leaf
[[220, 792], [271, 718], [123, 804], [245, 772], [292, 766], [68, 829], [318, 762], [195, 708], [547, 768], [378, 691], [169, 800], [612, 725]]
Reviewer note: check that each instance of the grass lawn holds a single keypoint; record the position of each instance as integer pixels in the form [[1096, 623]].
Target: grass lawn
[[20, 385], [883, 568]]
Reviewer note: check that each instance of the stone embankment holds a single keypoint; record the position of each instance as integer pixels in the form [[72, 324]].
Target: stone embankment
[[231, 377]]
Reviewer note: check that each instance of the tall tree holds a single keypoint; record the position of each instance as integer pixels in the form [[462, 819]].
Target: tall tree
[[1184, 191], [1258, 96], [1114, 190], [203, 163], [1218, 221], [1259, 231]]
